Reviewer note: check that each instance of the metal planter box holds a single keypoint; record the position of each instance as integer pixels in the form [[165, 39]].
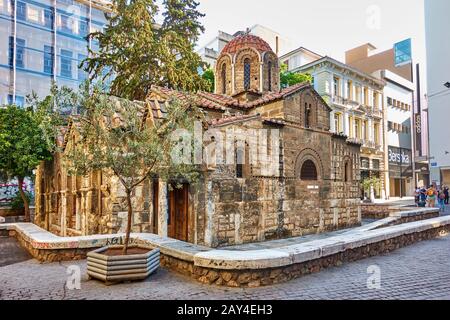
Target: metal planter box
[[114, 269]]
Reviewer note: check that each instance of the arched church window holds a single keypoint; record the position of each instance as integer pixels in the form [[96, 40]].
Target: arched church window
[[224, 78], [247, 71], [308, 171], [269, 66], [307, 115], [347, 172], [240, 160]]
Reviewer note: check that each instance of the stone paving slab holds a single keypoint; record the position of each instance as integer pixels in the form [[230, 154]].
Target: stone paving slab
[[420, 271]]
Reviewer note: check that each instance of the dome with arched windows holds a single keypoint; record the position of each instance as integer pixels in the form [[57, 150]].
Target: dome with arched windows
[[247, 64], [246, 41]]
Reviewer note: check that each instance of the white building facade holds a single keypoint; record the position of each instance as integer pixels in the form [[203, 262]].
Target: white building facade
[[437, 25], [358, 112], [398, 98]]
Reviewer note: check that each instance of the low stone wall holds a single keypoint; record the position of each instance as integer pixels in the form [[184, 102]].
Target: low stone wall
[[51, 255], [377, 211], [416, 217], [240, 268], [256, 278]]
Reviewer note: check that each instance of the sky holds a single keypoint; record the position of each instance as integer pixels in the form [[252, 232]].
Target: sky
[[328, 27]]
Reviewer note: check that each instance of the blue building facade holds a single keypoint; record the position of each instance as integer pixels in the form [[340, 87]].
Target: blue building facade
[[43, 41]]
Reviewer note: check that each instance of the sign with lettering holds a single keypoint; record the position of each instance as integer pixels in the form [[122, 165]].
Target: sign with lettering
[[399, 156], [400, 162]]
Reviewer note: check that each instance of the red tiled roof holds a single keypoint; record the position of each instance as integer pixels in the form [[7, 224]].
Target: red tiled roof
[[220, 102], [275, 121], [201, 101], [246, 41], [232, 119], [273, 96]]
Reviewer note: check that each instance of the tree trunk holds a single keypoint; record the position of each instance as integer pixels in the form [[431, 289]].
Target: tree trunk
[[26, 205], [130, 216]]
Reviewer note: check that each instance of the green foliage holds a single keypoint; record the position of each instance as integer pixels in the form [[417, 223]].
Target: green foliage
[[182, 17], [208, 75], [22, 143], [368, 183], [17, 203], [113, 137], [288, 79], [138, 53]]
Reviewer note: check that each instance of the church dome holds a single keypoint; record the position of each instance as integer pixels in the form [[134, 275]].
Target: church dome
[[246, 41]]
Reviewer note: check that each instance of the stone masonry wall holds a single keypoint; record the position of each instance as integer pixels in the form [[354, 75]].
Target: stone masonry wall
[[257, 278]]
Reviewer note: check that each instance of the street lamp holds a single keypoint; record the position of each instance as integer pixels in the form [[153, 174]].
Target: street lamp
[[447, 84]]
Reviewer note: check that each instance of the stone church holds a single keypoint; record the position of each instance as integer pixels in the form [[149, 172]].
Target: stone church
[[315, 187]]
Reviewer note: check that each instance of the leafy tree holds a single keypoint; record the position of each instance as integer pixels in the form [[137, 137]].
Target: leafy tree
[[288, 79], [182, 17], [208, 75], [22, 146], [137, 53], [114, 137]]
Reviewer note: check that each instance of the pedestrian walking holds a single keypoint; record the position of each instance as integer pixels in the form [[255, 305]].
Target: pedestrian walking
[[431, 196], [441, 200], [446, 193]]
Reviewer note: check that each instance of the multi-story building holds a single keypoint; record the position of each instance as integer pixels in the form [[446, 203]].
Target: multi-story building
[[43, 41], [299, 57], [398, 100], [210, 52], [438, 65], [356, 99]]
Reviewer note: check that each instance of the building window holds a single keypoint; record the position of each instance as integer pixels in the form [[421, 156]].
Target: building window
[[48, 59], [358, 94], [240, 160], [65, 24], [336, 82], [376, 133], [350, 90], [82, 75], [366, 130], [366, 96], [224, 78], [82, 28], [34, 15], [247, 74], [20, 51], [375, 100], [338, 122], [48, 18], [19, 101], [21, 10], [389, 101], [308, 171], [347, 172], [307, 115], [66, 63], [358, 128], [269, 66]]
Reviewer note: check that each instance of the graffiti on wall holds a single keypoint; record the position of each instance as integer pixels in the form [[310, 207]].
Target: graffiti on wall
[[8, 191]]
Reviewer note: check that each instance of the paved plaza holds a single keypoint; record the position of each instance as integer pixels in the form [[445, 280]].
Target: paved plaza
[[420, 271]]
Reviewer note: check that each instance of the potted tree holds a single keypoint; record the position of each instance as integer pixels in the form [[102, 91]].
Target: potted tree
[[116, 137]]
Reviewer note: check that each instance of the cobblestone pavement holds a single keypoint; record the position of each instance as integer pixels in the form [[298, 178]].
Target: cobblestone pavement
[[421, 271], [11, 252]]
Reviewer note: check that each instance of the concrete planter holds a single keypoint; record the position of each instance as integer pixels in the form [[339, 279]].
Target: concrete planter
[[114, 269]]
